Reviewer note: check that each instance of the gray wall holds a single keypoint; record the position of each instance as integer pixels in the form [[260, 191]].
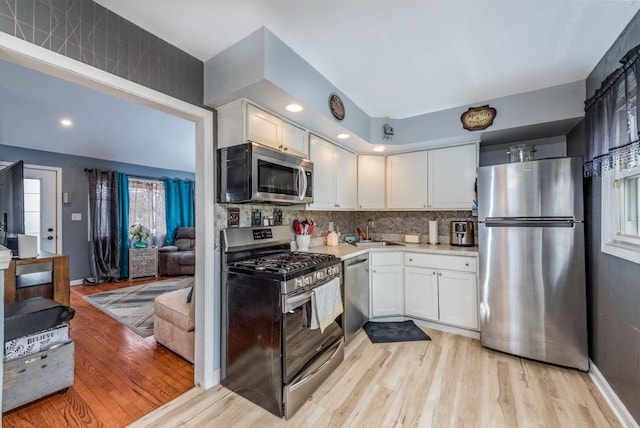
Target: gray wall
[[613, 286], [87, 32], [74, 180]]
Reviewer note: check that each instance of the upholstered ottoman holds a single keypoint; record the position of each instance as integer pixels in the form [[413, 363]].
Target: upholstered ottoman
[[173, 325]]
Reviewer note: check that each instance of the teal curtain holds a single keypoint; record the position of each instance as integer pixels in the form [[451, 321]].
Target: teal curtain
[[179, 205], [123, 220]]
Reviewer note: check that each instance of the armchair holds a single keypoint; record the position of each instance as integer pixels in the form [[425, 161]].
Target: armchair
[[180, 258]]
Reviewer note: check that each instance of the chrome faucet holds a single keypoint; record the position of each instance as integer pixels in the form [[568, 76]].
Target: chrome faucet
[[373, 225]]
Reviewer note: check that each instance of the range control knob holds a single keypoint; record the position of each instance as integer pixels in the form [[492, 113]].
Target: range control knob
[[319, 275], [307, 280], [299, 282]]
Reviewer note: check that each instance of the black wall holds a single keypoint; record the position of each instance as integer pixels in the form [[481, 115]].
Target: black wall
[[613, 283]]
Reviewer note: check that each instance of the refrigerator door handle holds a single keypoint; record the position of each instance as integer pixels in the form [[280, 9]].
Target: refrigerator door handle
[[530, 222]]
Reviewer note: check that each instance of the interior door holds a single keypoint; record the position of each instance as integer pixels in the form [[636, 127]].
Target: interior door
[[43, 206]]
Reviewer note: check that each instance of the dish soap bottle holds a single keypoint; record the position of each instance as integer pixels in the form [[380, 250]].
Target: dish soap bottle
[[332, 237]]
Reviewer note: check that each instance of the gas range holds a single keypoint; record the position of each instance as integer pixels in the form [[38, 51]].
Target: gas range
[[272, 352], [265, 253]]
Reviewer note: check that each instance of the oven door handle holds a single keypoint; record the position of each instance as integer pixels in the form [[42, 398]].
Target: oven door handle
[[302, 176], [291, 303]]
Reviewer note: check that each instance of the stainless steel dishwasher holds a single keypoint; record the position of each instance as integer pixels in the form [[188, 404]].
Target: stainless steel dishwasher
[[356, 294]]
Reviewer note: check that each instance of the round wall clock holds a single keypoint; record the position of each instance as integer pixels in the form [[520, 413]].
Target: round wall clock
[[477, 118], [336, 106]]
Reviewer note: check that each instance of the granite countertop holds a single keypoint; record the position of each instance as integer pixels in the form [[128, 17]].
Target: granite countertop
[[347, 251]]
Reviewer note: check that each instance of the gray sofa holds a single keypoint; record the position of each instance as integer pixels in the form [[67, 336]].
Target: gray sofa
[[179, 258]]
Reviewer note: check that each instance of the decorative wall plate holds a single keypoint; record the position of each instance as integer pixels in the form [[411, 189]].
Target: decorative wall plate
[[336, 106], [477, 118]]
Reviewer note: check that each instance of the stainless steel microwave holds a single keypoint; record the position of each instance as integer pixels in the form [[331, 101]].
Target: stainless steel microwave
[[254, 173]]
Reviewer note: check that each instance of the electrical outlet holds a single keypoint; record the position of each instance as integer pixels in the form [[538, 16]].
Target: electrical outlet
[[76, 216]]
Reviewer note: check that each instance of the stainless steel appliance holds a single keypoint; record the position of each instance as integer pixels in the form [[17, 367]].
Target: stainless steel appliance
[[254, 173], [356, 295], [461, 233], [532, 268], [270, 355]]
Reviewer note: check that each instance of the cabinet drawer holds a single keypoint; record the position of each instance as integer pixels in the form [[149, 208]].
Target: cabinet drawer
[[384, 258], [437, 261]]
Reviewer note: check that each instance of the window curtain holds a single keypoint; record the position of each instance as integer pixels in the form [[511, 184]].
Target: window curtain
[[123, 219], [104, 239], [179, 205], [612, 121]]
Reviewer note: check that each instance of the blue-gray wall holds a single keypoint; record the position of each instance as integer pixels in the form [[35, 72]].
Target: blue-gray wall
[[74, 180], [613, 286], [87, 32]]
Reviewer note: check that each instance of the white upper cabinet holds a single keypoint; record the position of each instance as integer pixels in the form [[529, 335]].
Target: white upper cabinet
[[240, 122], [371, 182], [334, 176], [452, 174], [263, 128], [407, 181]]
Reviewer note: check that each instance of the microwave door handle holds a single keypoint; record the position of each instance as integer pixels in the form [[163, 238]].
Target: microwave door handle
[[302, 189]]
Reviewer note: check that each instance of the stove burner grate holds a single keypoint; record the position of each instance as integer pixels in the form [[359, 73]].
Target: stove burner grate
[[284, 262]]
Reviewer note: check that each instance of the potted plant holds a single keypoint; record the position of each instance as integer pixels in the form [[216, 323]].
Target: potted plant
[[139, 235]]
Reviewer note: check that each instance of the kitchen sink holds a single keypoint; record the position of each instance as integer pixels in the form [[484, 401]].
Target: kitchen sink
[[376, 244]]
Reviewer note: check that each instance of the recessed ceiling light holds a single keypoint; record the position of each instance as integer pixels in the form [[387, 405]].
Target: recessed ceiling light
[[66, 122], [379, 149], [343, 136], [294, 108]]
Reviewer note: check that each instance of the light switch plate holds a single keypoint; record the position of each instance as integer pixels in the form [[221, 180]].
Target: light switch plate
[[76, 216]]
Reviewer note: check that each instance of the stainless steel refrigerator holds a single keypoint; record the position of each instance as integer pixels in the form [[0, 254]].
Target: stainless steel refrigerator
[[532, 269]]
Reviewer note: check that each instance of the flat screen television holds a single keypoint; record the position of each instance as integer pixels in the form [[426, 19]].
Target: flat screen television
[[11, 205]]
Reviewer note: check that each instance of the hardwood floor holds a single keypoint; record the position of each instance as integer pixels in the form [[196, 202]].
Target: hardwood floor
[[451, 381], [119, 376]]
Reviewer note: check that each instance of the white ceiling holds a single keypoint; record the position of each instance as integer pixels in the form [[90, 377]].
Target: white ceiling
[[104, 127], [402, 58]]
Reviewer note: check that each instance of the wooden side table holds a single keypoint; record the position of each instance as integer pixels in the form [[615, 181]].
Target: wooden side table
[[143, 262]]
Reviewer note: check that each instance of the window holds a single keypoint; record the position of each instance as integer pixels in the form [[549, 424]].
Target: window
[[621, 193], [146, 206], [32, 208]]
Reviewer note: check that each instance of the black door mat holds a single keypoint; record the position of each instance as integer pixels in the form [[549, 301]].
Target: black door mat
[[401, 331]]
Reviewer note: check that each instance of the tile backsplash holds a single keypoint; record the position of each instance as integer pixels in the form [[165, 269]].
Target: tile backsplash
[[392, 225]]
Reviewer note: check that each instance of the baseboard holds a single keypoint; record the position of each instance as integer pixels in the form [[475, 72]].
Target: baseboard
[[618, 408], [76, 282]]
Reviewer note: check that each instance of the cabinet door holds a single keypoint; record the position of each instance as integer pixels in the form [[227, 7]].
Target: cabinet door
[[386, 291], [452, 173], [421, 293], [407, 181], [263, 128], [458, 298], [371, 182], [322, 154], [346, 166], [295, 140]]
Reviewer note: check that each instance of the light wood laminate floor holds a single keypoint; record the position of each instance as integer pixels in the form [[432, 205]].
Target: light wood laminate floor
[[451, 381]]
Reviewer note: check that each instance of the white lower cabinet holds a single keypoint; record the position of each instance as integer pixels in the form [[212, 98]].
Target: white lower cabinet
[[435, 291], [386, 284], [457, 298], [421, 293]]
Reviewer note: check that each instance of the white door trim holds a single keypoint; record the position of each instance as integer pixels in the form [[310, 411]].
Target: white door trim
[[35, 57]]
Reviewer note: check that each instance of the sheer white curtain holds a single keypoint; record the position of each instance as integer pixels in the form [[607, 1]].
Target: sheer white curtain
[[612, 121], [147, 207]]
